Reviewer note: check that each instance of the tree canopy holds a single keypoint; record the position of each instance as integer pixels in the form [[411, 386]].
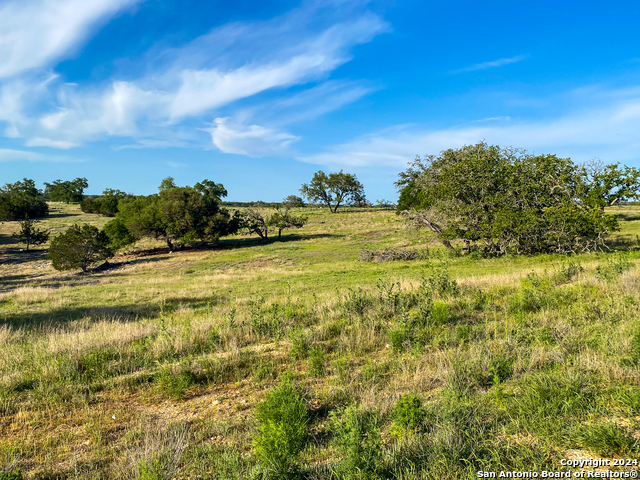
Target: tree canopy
[[105, 204], [179, 214], [68, 191], [505, 201], [334, 189], [21, 200], [79, 247]]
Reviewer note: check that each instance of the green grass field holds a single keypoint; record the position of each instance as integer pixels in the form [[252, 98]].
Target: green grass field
[[153, 368]]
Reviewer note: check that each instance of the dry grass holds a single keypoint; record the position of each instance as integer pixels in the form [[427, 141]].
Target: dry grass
[[180, 348]]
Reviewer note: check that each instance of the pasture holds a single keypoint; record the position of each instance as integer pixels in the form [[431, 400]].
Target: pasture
[[153, 367]]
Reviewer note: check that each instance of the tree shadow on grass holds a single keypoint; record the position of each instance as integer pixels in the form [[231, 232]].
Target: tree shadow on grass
[[18, 256], [8, 239], [133, 311]]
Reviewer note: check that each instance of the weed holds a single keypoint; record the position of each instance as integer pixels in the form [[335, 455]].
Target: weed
[[282, 431], [357, 437], [316, 362], [441, 282], [356, 301], [299, 344], [568, 271], [440, 313], [409, 412], [616, 265], [148, 472], [174, 382]]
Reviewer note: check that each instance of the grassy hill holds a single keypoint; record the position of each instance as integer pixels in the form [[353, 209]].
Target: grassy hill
[[153, 368]]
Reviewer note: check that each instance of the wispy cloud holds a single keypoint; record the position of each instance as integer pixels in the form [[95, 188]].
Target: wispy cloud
[[34, 33], [251, 140], [9, 155], [492, 64], [230, 63], [607, 130]]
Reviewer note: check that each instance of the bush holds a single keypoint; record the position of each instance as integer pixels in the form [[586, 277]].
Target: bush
[[79, 247], [21, 200], [282, 431], [119, 235], [357, 436], [408, 412]]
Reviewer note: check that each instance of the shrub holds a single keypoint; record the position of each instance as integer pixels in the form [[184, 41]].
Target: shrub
[[440, 313], [408, 412], [316, 362], [282, 431], [174, 384], [30, 234], [118, 234], [79, 247], [357, 437]]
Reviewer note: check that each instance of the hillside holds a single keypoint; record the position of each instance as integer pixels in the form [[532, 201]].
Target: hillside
[[155, 365]]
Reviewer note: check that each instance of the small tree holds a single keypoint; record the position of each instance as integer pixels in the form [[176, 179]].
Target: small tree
[[293, 201], [255, 222], [334, 189], [79, 247], [284, 220], [66, 191], [30, 234]]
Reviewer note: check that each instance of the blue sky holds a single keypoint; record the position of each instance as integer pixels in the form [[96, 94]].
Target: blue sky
[[259, 95]]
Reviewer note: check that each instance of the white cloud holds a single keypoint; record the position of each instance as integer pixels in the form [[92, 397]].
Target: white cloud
[[609, 132], [230, 63], [47, 142], [9, 155], [492, 64], [309, 104], [34, 33], [252, 140]]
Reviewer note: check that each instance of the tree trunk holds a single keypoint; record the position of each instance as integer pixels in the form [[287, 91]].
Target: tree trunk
[[447, 244], [279, 234], [170, 245]]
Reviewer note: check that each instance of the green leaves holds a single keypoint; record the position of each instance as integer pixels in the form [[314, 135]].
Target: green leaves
[[79, 247], [30, 234], [503, 201], [179, 214], [334, 189], [21, 199]]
